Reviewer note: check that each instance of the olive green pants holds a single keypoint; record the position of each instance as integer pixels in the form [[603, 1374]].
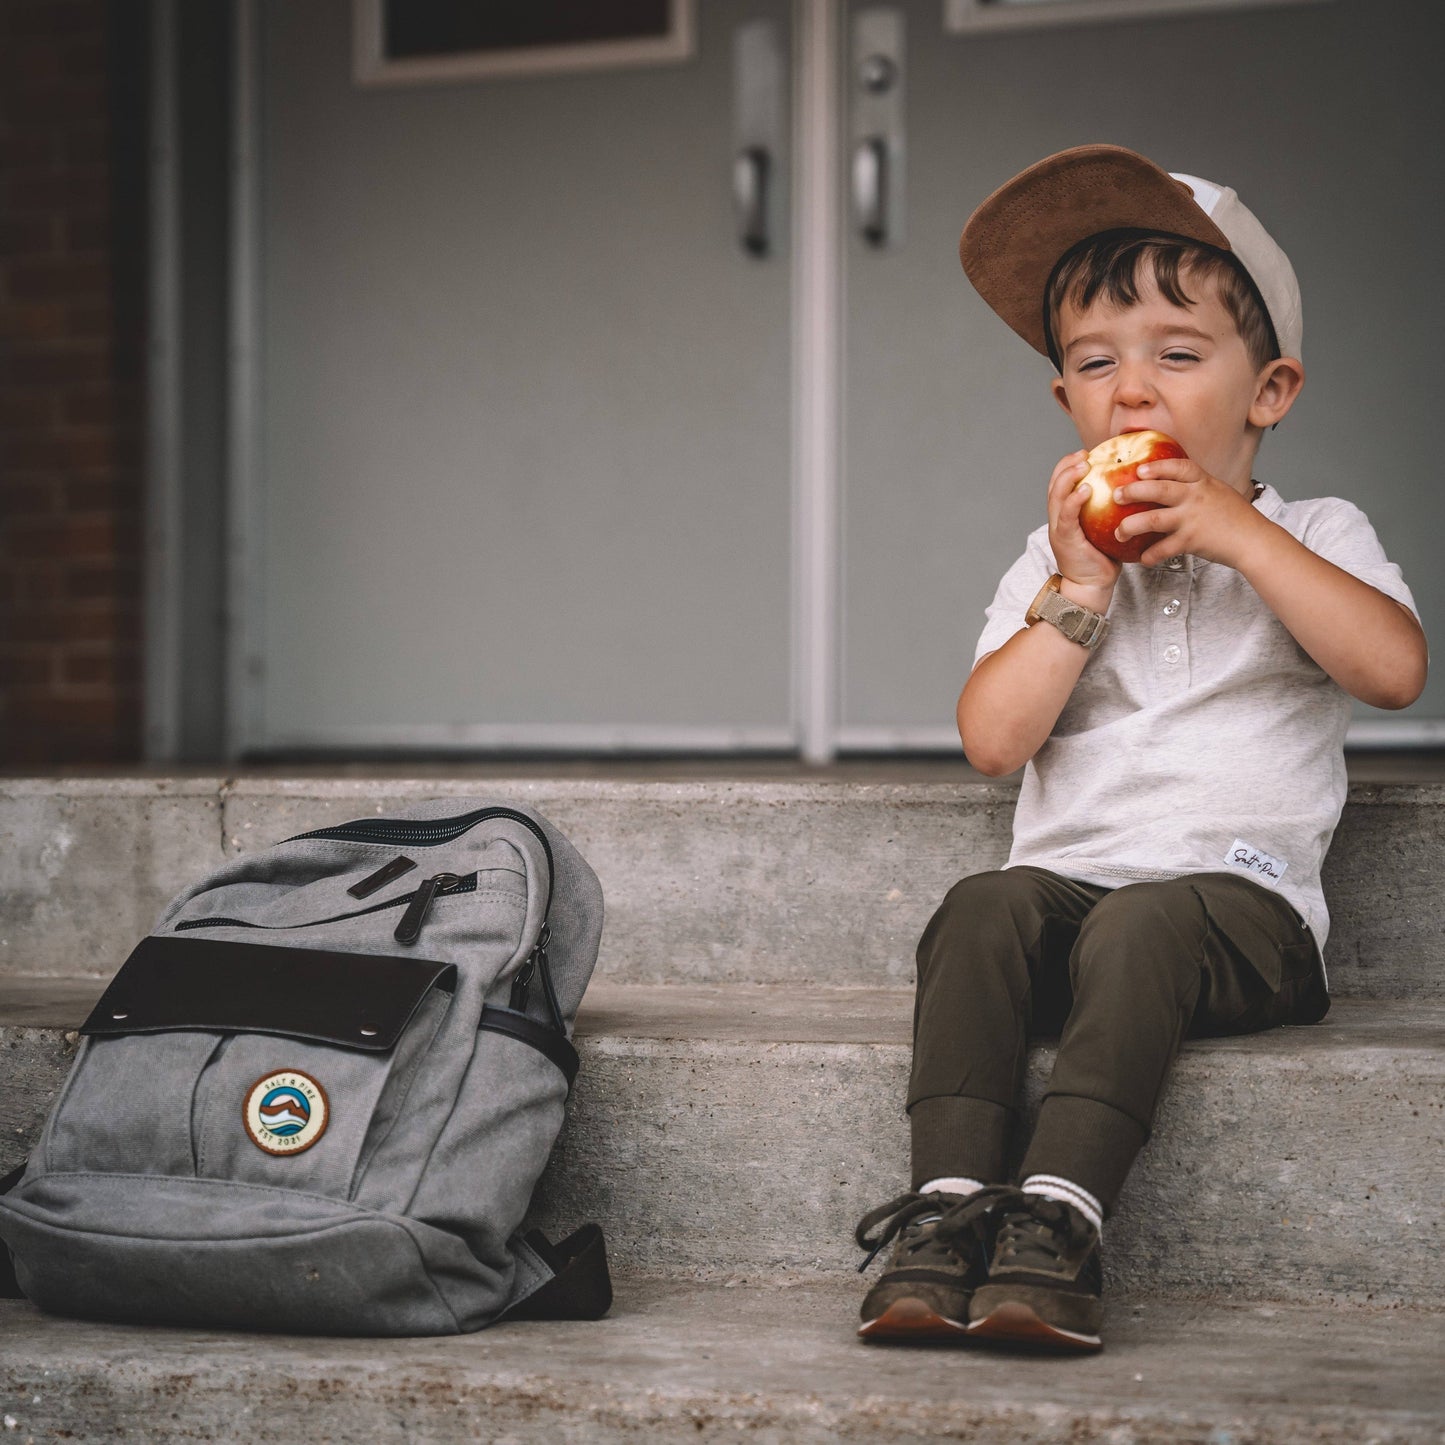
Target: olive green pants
[[1121, 976]]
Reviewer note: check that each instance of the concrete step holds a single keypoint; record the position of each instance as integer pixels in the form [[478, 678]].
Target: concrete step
[[708, 881], [684, 1361], [738, 1132]]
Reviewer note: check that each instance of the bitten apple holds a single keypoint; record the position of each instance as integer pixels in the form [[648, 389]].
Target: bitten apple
[[1112, 464]]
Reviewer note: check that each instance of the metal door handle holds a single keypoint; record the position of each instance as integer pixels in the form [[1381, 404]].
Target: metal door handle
[[876, 128], [750, 198], [870, 189]]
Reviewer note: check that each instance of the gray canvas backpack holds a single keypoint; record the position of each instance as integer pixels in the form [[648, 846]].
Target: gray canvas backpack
[[318, 1097]]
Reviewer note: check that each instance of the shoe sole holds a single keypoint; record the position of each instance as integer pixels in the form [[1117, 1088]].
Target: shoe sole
[[911, 1319], [1018, 1324]]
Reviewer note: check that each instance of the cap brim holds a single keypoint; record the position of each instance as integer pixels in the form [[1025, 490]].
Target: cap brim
[[1013, 241]]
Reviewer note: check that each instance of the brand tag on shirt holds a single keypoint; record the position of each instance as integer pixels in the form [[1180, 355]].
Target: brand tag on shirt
[[1256, 862]]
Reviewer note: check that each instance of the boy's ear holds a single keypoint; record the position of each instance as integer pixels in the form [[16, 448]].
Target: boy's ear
[[1061, 394], [1279, 383]]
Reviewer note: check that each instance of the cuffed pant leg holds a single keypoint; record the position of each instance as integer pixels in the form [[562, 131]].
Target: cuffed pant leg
[[993, 957], [1210, 954], [1135, 971]]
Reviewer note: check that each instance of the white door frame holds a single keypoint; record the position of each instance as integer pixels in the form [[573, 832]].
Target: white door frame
[[817, 377]]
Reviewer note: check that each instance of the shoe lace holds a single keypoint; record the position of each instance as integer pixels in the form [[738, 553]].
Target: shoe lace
[[1040, 1232], [958, 1220]]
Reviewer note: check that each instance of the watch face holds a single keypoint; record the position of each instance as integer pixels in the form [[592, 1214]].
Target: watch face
[[1039, 607]]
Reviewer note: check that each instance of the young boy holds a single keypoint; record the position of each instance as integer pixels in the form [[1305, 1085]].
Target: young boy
[[1184, 772]]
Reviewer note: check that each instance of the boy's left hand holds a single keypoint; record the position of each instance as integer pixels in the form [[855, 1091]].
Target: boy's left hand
[[1371, 645], [1197, 513]]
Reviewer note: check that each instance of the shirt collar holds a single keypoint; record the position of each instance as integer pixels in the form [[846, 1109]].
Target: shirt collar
[[1269, 503]]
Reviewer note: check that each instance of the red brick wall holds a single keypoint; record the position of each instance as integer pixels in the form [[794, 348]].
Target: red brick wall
[[72, 396]]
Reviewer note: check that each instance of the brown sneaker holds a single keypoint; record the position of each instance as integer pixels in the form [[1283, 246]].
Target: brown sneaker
[[1045, 1281], [940, 1259]]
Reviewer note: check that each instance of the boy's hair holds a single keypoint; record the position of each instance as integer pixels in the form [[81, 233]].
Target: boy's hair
[[1108, 265]]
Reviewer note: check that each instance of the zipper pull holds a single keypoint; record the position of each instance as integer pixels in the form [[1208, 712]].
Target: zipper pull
[[523, 979], [387, 873], [520, 983], [409, 929]]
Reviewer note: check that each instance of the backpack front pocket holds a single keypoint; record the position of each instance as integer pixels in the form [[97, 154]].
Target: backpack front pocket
[[278, 1066], [126, 1108]]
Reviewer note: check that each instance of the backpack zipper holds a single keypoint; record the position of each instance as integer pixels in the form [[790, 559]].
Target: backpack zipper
[[431, 833], [409, 929], [467, 884]]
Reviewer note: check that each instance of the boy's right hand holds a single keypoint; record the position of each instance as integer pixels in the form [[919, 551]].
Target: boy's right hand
[[1092, 574]]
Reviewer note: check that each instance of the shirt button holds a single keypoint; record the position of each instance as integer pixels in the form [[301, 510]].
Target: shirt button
[[1172, 654], [1172, 606], [1175, 564]]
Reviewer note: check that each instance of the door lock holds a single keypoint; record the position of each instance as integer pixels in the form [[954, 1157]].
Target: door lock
[[877, 74], [875, 126]]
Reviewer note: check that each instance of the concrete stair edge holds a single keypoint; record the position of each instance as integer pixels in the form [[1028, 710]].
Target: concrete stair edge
[[711, 880], [726, 1133], [677, 1362]]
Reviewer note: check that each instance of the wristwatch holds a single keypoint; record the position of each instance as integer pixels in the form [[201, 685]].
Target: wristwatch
[[1078, 623]]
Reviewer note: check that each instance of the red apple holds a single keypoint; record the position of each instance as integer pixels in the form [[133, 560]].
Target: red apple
[[1111, 464]]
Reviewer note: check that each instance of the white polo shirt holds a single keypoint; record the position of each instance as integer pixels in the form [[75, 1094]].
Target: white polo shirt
[[1201, 737]]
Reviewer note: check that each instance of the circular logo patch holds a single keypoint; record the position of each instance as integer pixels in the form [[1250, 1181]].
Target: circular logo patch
[[286, 1112]]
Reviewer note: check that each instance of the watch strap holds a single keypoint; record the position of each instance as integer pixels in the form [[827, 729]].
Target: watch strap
[[1078, 623]]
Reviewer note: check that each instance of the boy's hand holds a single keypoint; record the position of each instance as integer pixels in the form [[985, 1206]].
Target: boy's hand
[[1092, 574], [1197, 513]]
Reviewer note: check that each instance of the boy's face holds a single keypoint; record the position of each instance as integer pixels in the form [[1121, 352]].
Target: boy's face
[[1180, 370]]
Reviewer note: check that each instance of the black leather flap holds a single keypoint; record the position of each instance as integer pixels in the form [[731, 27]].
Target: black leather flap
[[357, 1000]]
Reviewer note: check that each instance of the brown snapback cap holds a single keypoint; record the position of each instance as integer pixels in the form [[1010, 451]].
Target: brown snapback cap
[[1013, 241]]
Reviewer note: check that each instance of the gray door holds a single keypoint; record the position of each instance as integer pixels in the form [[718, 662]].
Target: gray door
[[1325, 117], [521, 464]]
